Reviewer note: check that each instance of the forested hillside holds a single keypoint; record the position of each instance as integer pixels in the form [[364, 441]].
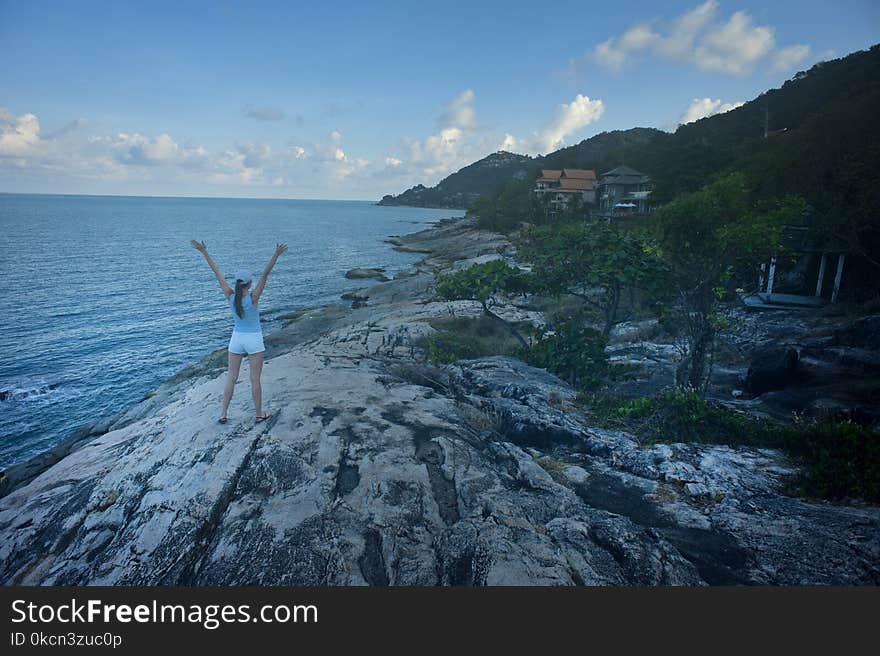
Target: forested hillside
[[818, 144]]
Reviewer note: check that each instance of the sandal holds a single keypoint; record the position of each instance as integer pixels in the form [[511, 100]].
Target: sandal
[[263, 417], [222, 420]]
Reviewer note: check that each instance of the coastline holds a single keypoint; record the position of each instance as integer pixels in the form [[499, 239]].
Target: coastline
[[377, 469], [23, 472]]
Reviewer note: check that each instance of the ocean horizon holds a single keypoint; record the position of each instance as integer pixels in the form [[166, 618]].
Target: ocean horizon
[[107, 299], [55, 195]]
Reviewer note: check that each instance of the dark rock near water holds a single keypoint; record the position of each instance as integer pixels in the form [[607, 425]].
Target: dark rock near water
[[367, 272]]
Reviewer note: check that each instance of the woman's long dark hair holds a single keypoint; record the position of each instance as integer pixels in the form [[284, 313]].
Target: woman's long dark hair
[[239, 294]]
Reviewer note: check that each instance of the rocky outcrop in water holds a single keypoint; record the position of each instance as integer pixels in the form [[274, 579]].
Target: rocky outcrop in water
[[378, 469], [366, 272]]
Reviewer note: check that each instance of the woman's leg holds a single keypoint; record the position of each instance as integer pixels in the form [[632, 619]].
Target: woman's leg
[[255, 360], [234, 367]]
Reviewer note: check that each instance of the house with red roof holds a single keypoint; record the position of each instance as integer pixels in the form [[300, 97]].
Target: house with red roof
[[561, 185]]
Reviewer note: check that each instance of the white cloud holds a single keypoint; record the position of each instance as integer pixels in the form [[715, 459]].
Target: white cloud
[[230, 167], [703, 107], [68, 128], [786, 59], [450, 148], [614, 52], [735, 46], [136, 160], [460, 141], [570, 118], [683, 31], [460, 112], [439, 154], [121, 156], [19, 135], [329, 161], [255, 154], [509, 143], [137, 149]]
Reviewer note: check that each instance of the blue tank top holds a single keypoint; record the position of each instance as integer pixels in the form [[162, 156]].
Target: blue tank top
[[250, 323]]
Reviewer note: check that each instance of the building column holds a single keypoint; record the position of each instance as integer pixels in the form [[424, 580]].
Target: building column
[[819, 282], [771, 275], [838, 277]]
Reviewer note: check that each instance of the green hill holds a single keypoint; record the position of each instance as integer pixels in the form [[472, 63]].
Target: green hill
[[821, 143], [461, 188]]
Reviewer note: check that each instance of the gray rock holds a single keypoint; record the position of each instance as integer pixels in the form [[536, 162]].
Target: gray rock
[[864, 333], [696, 489], [366, 272], [379, 470], [772, 368]]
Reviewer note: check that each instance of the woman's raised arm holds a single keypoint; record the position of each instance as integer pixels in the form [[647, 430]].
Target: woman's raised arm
[[258, 290], [203, 249]]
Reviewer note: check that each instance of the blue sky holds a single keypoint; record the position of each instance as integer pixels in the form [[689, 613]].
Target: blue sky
[[355, 100]]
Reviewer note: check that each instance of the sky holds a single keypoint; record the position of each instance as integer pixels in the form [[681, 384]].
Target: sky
[[354, 100]]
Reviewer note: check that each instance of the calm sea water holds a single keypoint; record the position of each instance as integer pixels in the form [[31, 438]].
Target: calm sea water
[[103, 297]]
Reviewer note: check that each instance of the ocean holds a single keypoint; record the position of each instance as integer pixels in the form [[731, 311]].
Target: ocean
[[104, 298]]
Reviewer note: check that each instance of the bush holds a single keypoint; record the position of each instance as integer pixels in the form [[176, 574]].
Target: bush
[[479, 282], [574, 352], [837, 459], [446, 347], [463, 338], [681, 415]]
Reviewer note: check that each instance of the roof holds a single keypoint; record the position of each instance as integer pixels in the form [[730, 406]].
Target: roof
[[623, 170], [582, 174], [624, 175], [550, 174], [577, 184]]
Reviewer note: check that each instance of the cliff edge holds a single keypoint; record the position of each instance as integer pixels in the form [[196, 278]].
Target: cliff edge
[[378, 469]]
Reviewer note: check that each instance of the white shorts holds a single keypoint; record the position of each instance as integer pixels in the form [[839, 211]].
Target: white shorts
[[250, 343]]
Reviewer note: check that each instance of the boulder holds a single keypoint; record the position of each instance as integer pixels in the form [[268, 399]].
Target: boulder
[[863, 333], [772, 368], [366, 272]]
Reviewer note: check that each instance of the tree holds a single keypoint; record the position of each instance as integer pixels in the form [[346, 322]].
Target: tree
[[483, 283], [508, 206], [572, 351], [581, 257], [704, 237]]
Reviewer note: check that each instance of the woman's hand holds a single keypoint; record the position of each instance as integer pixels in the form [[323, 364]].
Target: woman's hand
[[279, 249], [199, 246]]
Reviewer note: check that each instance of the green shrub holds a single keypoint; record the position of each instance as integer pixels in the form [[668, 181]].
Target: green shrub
[[479, 282], [463, 338], [681, 415], [446, 347], [574, 352], [836, 459]]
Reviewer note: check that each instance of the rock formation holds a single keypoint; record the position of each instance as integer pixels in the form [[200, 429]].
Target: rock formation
[[378, 469]]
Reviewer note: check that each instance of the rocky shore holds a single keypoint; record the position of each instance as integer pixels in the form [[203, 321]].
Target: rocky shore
[[378, 469]]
